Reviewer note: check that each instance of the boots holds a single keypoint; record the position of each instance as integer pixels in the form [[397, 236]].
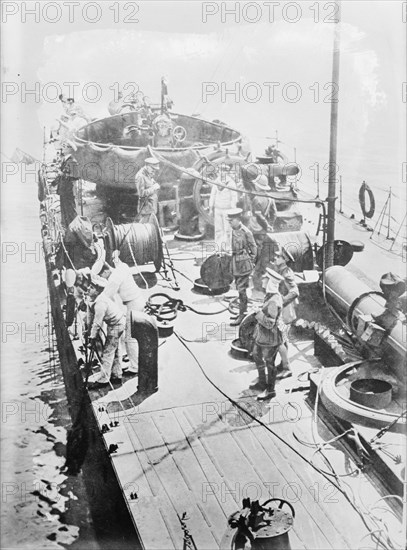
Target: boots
[[269, 392], [243, 301], [261, 383]]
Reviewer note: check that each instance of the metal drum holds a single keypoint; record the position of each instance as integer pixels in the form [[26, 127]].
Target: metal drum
[[298, 243], [371, 392], [216, 272]]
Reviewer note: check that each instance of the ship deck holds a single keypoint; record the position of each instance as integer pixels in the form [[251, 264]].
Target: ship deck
[[188, 448]]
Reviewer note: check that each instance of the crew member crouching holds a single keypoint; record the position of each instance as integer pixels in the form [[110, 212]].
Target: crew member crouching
[[104, 310], [120, 282], [268, 336], [244, 252]]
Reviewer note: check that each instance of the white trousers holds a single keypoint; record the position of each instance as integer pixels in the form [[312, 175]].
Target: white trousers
[[223, 230]]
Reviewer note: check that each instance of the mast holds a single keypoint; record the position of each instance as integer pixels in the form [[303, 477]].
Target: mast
[[330, 233]]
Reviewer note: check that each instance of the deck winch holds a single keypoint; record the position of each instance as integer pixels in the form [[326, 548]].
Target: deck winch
[[138, 243], [259, 526]]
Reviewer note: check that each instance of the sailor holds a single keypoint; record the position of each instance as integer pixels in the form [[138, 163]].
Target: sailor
[[74, 110], [263, 208], [261, 221], [267, 335], [116, 105], [105, 310], [67, 175], [221, 200], [244, 251], [392, 287], [147, 189], [289, 290], [120, 282]]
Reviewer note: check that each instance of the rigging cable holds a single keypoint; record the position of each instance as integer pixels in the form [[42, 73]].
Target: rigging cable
[[281, 439]]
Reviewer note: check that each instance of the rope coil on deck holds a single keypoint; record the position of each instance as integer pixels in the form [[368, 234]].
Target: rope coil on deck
[[137, 243]]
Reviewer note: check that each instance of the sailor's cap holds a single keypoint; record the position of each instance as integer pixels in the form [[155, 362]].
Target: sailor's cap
[[234, 213], [98, 282], [261, 182], [392, 280], [272, 275], [152, 161]]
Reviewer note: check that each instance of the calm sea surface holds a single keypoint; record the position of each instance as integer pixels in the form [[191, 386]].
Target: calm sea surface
[[41, 508]]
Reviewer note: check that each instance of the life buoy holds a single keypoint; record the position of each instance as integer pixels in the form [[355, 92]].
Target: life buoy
[[363, 191]]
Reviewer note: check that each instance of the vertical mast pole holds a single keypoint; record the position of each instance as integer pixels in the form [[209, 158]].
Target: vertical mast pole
[[330, 234]]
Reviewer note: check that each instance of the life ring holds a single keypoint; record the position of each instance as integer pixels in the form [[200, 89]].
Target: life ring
[[179, 134], [365, 189]]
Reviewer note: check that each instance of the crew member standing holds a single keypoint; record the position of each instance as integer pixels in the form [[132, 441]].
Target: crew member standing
[[267, 336], [289, 291], [147, 189], [261, 221], [244, 251], [221, 200], [120, 281]]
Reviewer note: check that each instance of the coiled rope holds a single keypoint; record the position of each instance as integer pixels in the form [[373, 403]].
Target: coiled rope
[[137, 243]]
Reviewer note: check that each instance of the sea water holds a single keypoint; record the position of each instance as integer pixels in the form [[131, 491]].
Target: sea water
[[41, 507]]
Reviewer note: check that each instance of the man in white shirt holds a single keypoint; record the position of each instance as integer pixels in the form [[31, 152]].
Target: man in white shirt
[[104, 310], [120, 282], [221, 200]]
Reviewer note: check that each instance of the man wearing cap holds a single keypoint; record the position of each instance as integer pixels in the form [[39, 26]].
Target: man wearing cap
[[267, 336], [120, 282], [261, 221], [263, 208], [147, 189], [290, 293], [221, 200], [392, 287], [104, 310], [244, 252]]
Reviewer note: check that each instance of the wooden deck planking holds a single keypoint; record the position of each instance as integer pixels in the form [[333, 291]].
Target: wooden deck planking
[[334, 504], [241, 477], [278, 480], [207, 462], [175, 483], [186, 461], [155, 529], [134, 478], [363, 488]]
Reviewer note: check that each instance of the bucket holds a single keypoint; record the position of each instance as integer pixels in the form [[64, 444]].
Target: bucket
[[371, 392]]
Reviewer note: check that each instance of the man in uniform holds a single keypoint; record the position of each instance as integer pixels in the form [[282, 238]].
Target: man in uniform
[[290, 293], [147, 189], [267, 336], [244, 252], [115, 106], [263, 215], [105, 310]]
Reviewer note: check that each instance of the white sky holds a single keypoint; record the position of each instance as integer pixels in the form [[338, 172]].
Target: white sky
[[171, 39]]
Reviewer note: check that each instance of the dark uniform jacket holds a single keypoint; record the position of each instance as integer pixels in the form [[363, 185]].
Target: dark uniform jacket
[[147, 195], [265, 212], [244, 251], [267, 331]]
